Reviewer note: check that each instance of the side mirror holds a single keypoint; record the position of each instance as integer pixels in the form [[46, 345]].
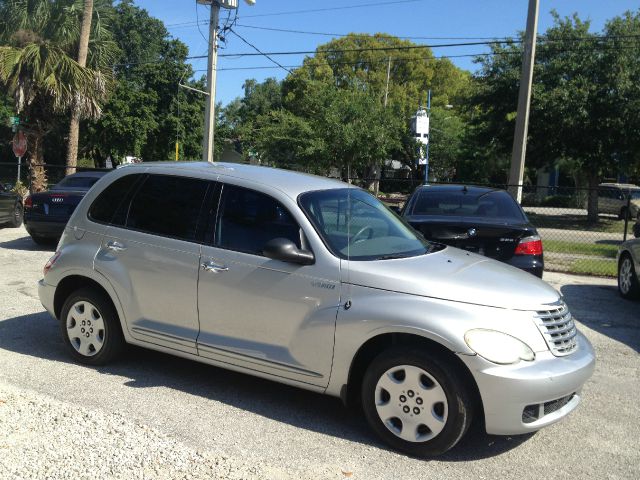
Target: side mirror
[[285, 250]]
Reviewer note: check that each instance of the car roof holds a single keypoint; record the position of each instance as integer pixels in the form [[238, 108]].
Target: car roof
[[290, 182], [92, 174], [454, 187]]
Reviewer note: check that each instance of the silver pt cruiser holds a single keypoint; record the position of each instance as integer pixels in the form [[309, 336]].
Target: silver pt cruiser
[[314, 283]]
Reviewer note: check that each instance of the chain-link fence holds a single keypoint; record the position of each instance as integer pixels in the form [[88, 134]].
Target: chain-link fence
[[572, 243]]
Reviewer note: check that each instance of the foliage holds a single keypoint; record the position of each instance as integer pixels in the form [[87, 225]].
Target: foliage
[[148, 112], [38, 45]]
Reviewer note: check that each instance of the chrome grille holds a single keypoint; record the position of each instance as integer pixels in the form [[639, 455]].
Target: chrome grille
[[558, 329]]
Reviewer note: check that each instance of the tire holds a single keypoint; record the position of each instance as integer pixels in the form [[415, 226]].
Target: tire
[[18, 212], [403, 382], [627, 279], [99, 340], [42, 241]]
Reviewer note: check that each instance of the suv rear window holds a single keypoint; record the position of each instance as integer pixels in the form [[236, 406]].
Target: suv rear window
[[103, 208], [168, 206]]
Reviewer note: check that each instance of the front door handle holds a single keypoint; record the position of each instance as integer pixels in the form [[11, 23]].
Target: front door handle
[[116, 246], [213, 267]]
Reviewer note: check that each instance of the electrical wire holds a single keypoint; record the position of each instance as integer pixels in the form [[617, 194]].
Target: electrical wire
[[258, 50]]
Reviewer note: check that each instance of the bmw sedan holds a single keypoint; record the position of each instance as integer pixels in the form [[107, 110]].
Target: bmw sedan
[[486, 221], [47, 213]]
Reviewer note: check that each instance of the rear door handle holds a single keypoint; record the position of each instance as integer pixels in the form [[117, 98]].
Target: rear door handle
[[116, 246], [213, 267]]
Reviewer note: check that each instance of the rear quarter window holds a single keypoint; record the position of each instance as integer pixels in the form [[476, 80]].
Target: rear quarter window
[[104, 207]]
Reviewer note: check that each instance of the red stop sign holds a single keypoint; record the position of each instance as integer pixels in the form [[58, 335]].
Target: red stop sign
[[19, 144]]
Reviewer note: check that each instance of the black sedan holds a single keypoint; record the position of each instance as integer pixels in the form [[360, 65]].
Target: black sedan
[[47, 213], [10, 207], [482, 220]]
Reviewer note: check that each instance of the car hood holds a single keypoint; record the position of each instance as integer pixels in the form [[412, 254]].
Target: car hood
[[456, 275]]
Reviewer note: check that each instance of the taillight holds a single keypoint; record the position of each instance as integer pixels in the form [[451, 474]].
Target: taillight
[[28, 202], [529, 246], [50, 263]]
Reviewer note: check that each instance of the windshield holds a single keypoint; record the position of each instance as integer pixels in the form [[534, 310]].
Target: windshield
[[355, 225], [76, 183], [467, 203], [634, 194]]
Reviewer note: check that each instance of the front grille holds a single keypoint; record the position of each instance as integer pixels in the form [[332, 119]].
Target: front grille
[[558, 329], [532, 413]]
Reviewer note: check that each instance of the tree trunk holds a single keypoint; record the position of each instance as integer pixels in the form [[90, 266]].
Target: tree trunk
[[38, 177], [592, 203], [83, 48]]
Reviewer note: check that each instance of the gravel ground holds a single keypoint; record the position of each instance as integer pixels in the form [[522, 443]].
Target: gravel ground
[[155, 416]]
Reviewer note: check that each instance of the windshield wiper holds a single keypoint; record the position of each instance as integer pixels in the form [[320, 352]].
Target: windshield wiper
[[393, 256]]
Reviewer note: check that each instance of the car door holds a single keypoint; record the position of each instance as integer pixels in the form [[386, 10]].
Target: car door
[[153, 260], [7, 201], [258, 313]]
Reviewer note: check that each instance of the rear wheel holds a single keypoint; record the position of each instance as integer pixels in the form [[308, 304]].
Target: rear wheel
[[91, 328], [627, 278], [415, 402], [44, 241], [16, 219]]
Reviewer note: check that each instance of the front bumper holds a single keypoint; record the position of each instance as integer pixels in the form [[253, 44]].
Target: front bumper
[[46, 293], [507, 390]]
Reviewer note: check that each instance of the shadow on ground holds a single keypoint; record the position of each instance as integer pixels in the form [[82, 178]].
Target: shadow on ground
[[601, 308], [38, 335], [27, 244]]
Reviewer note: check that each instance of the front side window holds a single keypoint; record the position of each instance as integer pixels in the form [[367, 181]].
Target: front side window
[[355, 225], [247, 220], [167, 205]]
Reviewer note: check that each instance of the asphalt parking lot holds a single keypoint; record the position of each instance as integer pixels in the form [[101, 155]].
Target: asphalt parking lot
[[155, 416]]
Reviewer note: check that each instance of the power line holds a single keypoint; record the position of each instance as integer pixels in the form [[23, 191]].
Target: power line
[[258, 50], [315, 10]]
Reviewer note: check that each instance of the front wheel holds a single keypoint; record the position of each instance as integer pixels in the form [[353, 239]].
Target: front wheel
[[16, 219], [90, 327], [416, 402], [627, 279]]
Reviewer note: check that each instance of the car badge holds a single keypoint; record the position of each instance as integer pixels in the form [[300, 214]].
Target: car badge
[[57, 199], [472, 232]]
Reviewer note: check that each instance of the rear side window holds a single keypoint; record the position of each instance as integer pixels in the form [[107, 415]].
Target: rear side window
[[168, 206], [248, 220], [105, 206]]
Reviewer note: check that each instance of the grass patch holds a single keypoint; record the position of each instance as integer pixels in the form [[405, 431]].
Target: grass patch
[[587, 266], [591, 249], [578, 222]]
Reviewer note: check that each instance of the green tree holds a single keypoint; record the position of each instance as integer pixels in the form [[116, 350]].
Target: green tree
[[148, 112], [584, 106], [38, 43]]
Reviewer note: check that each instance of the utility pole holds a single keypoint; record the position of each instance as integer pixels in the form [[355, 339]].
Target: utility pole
[[518, 154], [212, 67], [210, 109], [426, 153]]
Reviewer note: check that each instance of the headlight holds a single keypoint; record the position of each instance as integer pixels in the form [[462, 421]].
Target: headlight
[[498, 347]]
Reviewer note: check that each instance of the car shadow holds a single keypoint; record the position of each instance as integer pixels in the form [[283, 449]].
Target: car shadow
[[38, 335], [621, 322], [28, 245]]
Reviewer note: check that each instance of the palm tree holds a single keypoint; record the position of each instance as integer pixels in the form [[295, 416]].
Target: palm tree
[[38, 45], [83, 47]]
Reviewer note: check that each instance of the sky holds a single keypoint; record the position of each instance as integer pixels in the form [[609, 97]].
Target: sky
[[435, 21]]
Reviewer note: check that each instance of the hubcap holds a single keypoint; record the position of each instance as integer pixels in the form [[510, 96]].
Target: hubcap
[[624, 277], [411, 403], [85, 328]]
